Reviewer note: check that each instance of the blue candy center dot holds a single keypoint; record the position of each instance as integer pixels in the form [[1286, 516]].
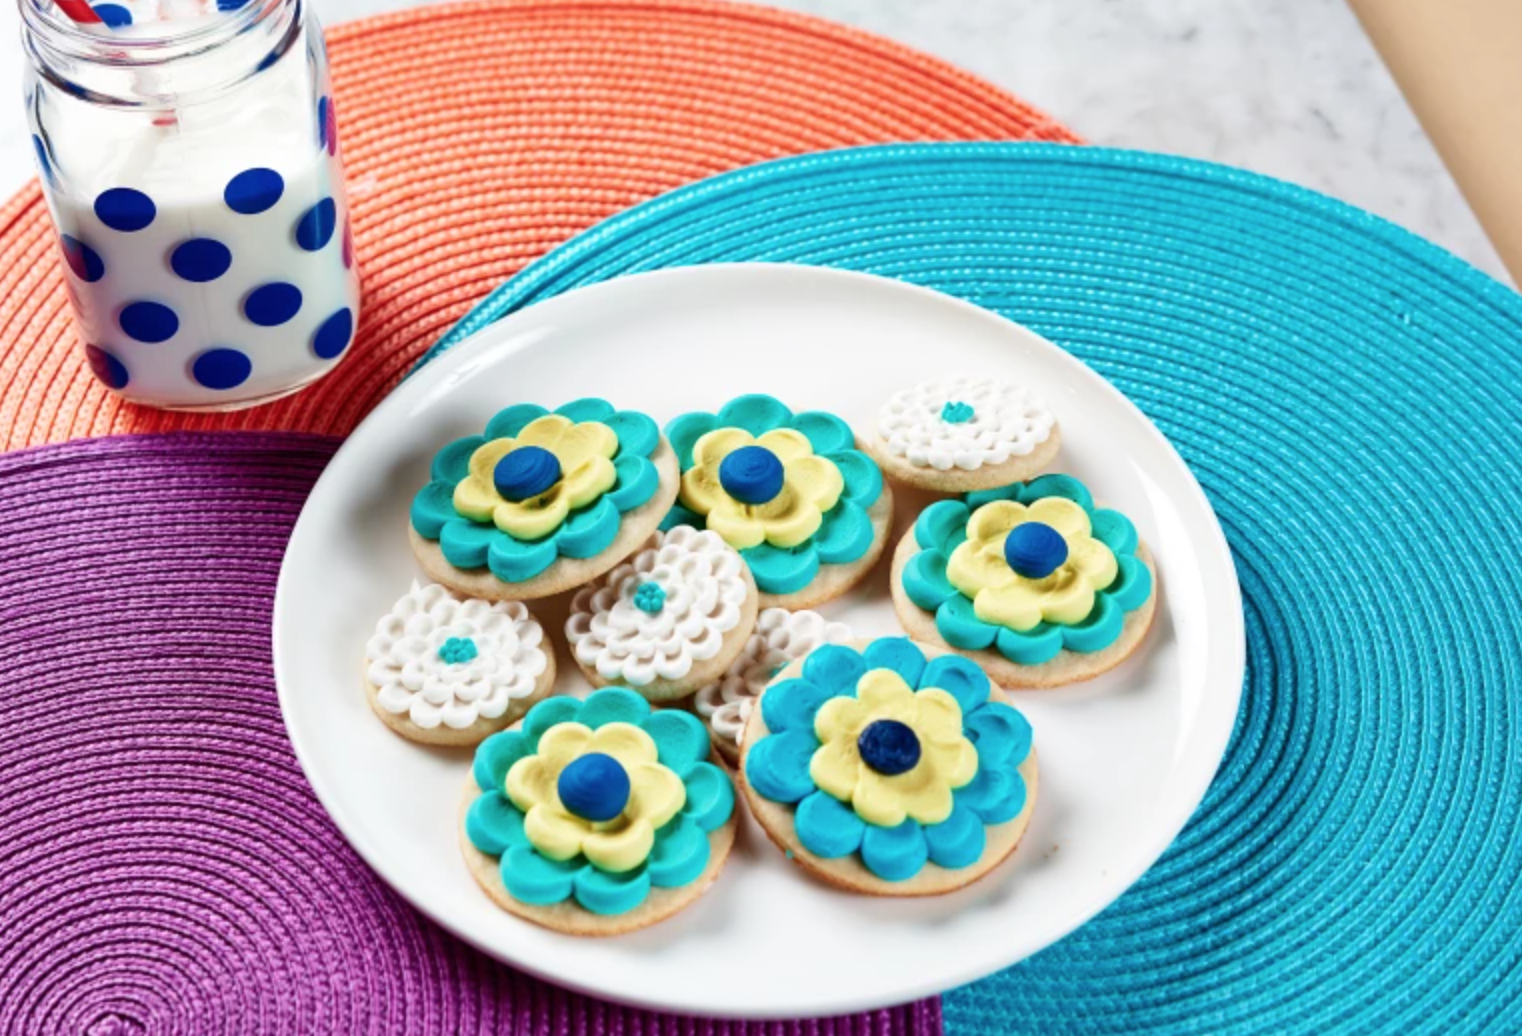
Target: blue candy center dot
[[956, 413], [525, 472], [253, 191], [594, 787], [1035, 550], [221, 368], [124, 209], [457, 650], [649, 598], [751, 474], [889, 747], [333, 336]]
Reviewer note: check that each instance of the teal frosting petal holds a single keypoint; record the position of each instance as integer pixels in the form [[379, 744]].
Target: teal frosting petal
[[996, 795], [960, 678], [961, 628], [710, 797], [589, 531], [895, 853], [1032, 646], [1057, 485], [533, 879], [827, 827], [613, 705], [826, 432], [466, 544], [925, 581], [506, 424], [638, 434], [493, 824], [683, 433], [680, 854], [589, 408], [497, 754], [1114, 530], [978, 497], [604, 893], [679, 515], [545, 715], [1001, 734], [834, 668], [864, 482], [637, 482], [432, 509], [791, 704], [777, 766], [452, 463], [958, 840], [1098, 631], [898, 654], [756, 413], [845, 534], [1132, 585], [782, 570], [512, 560], [681, 739], [942, 525]]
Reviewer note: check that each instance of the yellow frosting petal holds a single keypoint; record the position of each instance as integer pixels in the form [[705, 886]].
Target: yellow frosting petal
[[835, 767], [712, 447], [656, 794], [815, 479], [543, 431], [621, 850], [956, 762], [534, 518], [557, 835], [786, 443], [876, 800], [840, 718], [629, 744], [531, 782], [994, 520], [591, 480], [735, 523], [1068, 602], [792, 527], [937, 716], [883, 688], [583, 442], [925, 796], [976, 565], [562, 743], [701, 491], [1094, 561], [483, 462], [1016, 605], [476, 498], [1061, 514]]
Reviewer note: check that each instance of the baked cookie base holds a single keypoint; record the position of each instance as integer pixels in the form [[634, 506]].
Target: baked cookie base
[[956, 480], [481, 729], [834, 580]]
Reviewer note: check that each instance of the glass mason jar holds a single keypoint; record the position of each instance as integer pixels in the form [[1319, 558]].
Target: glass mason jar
[[191, 166]]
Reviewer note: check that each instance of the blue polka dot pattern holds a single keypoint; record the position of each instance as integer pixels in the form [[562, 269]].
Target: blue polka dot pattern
[[149, 322], [114, 15], [316, 225], [42, 158], [270, 305], [221, 368], [253, 191], [82, 259], [111, 371], [231, 5], [200, 259], [322, 122], [333, 336], [124, 209]]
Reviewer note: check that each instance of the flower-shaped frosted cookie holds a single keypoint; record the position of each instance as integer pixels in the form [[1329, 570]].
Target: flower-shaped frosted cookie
[[598, 816], [805, 508], [1032, 581], [542, 501], [669, 619], [891, 768]]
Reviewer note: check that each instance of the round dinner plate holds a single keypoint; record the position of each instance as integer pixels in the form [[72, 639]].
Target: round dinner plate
[[1125, 759]]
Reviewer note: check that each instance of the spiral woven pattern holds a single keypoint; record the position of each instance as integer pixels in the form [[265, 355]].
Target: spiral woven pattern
[[1348, 396], [477, 136], [165, 868]]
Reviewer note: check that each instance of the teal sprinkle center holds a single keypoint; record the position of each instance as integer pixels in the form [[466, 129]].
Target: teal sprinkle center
[[956, 412], [649, 598], [456, 650]]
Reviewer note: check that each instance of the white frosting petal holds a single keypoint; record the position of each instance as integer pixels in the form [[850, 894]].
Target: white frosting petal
[[781, 637], [1007, 421], [403, 663], [704, 582]]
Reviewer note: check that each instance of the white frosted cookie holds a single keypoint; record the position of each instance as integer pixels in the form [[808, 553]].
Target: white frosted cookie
[[667, 621], [447, 671]]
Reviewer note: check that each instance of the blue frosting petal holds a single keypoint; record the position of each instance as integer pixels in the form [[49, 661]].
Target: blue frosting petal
[[826, 432], [895, 853], [996, 795], [845, 534], [681, 739], [898, 654], [638, 434], [1065, 486], [960, 678], [1032, 647], [493, 824], [710, 797], [941, 523], [604, 893], [960, 627], [1001, 734], [590, 531], [512, 560], [957, 841], [637, 482], [777, 766], [452, 463], [1132, 585], [827, 827], [756, 413], [506, 424], [613, 705], [925, 582], [1114, 530], [589, 408], [834, 668], [466, 544], [782, 570], [1099, 630], [791, 704], [432, 509], [679, 515], [684, 431], [533, 879], [497, 754], [680, 854], [864, 481], [545, 715]]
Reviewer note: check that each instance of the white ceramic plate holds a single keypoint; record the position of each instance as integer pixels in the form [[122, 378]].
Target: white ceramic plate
[[1124, 759]]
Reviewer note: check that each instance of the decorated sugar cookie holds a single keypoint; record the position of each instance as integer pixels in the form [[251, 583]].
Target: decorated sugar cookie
[[964, 434], [668, 620], [1031, 581], [597, 817], [542, 502], [449, 672], [889, 767], [781, 637], [807, 511]]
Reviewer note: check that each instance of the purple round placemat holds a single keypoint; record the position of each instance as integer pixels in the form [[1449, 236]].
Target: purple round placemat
[[164, 867]]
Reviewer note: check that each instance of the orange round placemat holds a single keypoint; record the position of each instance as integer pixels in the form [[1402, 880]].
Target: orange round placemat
[[477, 136]]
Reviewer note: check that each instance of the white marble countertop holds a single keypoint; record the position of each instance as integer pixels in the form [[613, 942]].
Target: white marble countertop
[[1291, 88]]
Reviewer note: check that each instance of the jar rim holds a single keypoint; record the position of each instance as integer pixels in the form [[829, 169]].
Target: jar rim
[[48, 25]]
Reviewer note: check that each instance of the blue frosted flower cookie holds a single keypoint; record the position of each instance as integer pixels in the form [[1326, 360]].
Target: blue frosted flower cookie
[[1031, 581], [889, 767], [806, 509], [597, 817], [543, 501]]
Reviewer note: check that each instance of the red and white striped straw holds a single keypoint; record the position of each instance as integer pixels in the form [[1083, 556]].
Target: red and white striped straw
[[79, 11]]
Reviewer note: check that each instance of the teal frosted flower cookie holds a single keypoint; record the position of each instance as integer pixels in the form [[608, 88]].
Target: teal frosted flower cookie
[[1031, 581], [542, 501], [597, 817], [889, 767], [806, 509]]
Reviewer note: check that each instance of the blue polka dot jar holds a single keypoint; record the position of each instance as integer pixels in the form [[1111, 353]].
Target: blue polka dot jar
[[197, 192]]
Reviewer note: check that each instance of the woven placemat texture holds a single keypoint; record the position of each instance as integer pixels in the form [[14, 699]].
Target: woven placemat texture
[[1348, 395], [477, 136], [164, 866]]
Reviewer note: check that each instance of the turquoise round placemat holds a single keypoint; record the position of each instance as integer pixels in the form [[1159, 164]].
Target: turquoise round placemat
[[1350, 397]]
